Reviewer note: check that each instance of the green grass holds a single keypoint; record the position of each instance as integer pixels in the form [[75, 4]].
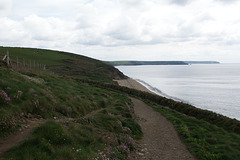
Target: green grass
[[206, 141], [46, 94], [65, 64], [118, 119], [101, 136], [107, 134], [46, 57], [52, 141]]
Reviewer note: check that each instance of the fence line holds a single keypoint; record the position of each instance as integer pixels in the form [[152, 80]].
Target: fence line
[[16, 62]]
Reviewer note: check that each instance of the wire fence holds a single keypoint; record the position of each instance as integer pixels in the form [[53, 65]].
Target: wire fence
[[18, 62]]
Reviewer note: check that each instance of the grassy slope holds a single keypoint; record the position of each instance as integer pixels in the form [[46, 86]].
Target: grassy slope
[[45, 94], [48, 95], [66, 64]]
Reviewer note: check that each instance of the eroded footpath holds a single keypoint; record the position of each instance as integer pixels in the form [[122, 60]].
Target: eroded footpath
[[160, 140]]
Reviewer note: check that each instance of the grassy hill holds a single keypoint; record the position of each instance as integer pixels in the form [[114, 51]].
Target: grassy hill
[[64, 104], [63, 63], [83, 114]]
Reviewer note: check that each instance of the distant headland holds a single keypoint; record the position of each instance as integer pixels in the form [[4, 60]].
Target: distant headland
[[133, 63]]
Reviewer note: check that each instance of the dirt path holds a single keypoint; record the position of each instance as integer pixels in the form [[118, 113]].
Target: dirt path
[[18, 136], [160, 140]]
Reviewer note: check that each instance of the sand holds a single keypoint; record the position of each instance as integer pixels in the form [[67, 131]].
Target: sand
[[131, 83]]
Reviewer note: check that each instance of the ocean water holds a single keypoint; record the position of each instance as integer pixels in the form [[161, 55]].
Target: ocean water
[[215, 87]]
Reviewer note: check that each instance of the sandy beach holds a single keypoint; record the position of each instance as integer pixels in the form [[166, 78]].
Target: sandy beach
[[131, 83]]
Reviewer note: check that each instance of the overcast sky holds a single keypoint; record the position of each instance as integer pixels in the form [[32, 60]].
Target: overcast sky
[[126, 29]]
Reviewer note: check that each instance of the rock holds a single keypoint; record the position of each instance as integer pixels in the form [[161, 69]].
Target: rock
[[29, 115], [144, 150], [140, 154]]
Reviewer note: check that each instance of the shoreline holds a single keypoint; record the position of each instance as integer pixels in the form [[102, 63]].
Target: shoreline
[[139, 85], [131, 83], [134, 84]]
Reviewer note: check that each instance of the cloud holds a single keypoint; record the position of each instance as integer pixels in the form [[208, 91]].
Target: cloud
[[122, 28], [131, 3], [87, 16], [205, 17], [5, 6], [44, 29], [138, 26], [227, 1], [180, 2], [10, 31]]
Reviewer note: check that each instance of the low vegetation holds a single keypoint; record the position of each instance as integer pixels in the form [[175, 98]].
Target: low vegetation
[[205, 140], [72, 133], [87, 116], [62, 63], [105, 135]]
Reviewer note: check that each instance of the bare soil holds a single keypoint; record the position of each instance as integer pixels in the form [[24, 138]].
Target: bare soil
[[160, 140], [18, 136]]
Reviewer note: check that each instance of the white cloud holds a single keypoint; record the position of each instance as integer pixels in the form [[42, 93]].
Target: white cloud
[[43, 29], [10, 31], [180, 2], [132, 3], [5, 6], [227, 1], [101, 27], [123, 29]]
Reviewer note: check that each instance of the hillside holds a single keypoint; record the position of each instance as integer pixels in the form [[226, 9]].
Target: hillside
[[70, 113], [63, 63], [73, 110], [202, 62], [134, 63]]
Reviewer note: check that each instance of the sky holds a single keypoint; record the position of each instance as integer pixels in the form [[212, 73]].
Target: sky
[[126, 29]]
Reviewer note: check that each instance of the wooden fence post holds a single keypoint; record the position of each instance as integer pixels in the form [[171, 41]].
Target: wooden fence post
[[23, 62], [6, 58], [17, 61]]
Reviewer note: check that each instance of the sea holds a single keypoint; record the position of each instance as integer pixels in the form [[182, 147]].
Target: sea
[[214, 87]]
